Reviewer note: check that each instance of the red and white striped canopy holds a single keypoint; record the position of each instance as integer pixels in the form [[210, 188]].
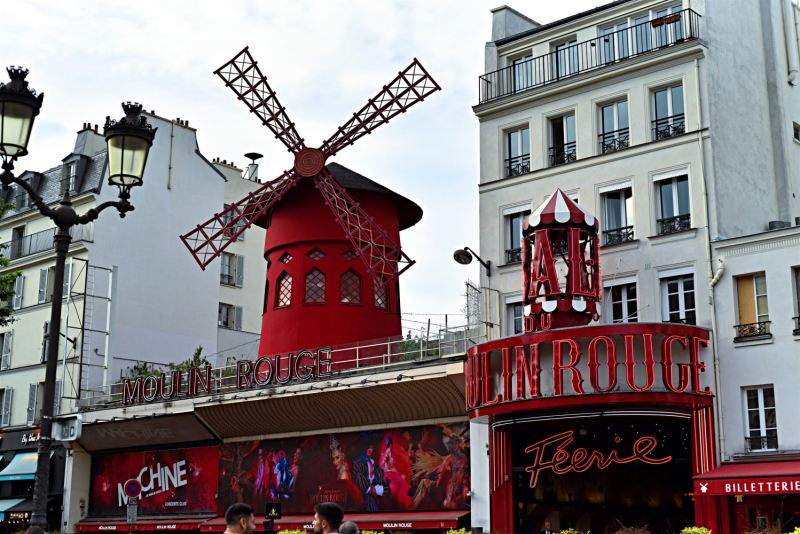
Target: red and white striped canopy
[[559, 210]]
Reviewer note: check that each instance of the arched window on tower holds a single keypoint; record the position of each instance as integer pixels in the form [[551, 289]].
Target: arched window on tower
[[350, 288], [283, 293], [315, 287], [381, 294]]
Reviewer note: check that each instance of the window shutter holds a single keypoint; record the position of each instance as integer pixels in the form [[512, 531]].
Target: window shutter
[[43, 285], [239, 271], [237, 317], [5, 360], [64, 179], [18, 287], [57, 398], [33, 393], [45, 341], [67, 279], [7, 406]]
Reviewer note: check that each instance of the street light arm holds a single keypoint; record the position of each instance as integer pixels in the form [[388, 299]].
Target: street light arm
[[8, 178], [486, 264], [123, 207]]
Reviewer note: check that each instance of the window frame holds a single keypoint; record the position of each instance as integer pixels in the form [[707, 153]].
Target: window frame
[[517, 64], [675, 201], [360, 288], [509, 235], [521, 146], [231, 267], [514, 320], [616, 135], [565, 49], [567, 146], [628, 316], [230, 316], [763, 430], [665, 311], [386, 295], [670, 119], [624, 215], [279, 282], [306, 287], [630, 22]]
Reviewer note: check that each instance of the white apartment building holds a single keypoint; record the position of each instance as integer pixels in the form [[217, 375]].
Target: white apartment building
[[678, 124], [136, 294]]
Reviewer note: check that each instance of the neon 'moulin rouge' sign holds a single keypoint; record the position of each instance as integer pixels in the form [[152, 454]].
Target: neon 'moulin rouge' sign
[[561, 461]]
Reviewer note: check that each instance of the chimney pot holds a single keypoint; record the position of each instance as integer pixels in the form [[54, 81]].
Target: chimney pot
[[95, 128], [187, 123], [84, 126], [224, 161]]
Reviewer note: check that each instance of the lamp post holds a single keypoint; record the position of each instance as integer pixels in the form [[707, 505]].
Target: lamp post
[[129, 141]]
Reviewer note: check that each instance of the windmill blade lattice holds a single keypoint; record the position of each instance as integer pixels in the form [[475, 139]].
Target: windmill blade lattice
[[209, 239], [244, 77], [385, 260], [410, 86]]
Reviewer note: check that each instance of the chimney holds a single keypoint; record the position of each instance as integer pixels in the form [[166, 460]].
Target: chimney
[[507, 21], [95, 128], [187, 124]]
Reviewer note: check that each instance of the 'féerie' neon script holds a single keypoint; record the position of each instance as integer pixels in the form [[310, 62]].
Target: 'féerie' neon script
[[562, 461]]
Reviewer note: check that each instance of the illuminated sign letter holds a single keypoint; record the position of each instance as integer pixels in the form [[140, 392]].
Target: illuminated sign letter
[[528, 373], [304, 372], [283, 379], [486, 368], [649, 363], [697, 365], [558, 366], [543, 274], [257, 372], [507, 373], [244, 368], [132, 395], [150, 385], [324, 362], [684, 370], [200, 383], [611, 363]]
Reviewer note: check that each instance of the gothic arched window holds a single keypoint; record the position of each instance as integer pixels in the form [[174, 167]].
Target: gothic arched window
[[350, 288], [315, 287], [283, 293]]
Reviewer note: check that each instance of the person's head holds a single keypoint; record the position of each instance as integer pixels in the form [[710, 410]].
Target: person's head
[[548, 526], [40, 530], [370, 449], [348, 527], [239, 518], [327, 517]]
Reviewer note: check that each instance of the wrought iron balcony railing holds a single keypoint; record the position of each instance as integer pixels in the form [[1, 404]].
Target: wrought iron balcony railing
[[618, 235], [614, 141], [669, 127], [227, 279], [561, 154], [671, 225], [41, 241], [518, 165], [745, 332], [514, 255], [796, 330], [762, 443], [596, 53]]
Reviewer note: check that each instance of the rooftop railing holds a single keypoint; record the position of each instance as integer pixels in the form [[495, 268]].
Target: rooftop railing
[[603, 51], [42, 241]]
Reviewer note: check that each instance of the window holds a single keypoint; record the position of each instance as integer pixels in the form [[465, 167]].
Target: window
[[5, 410], [285, 258], [519, 152], [315, 254], [643, 33], [516, 316], [797, 295], [233, 223], [72, 176], [314, 287], [796, 132], [230, 316], [523, 73], [35, 393], [514, 250], [227, 265], [614, 133], [615, 45], [667, 27], [762, 423], [266, 297], [668, 118], [619, 216], [673, 204], [562, 140], [21, 198], [623, 304], [350, 288], [349, 254], [19, 286], [381, 294], [45, 341], [565, 59], [18, 244], [678, 299], [283, 295], [5, 344], [753, 309]]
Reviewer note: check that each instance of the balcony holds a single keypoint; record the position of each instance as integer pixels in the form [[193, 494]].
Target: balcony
[[796, 330], [227, 279], [673, 225], [604, 51], [513, 255], [619, 235], [561, 154], [748, 332], [518, 165], [614, 141], [42, 241], [669, 127], [762, 443]]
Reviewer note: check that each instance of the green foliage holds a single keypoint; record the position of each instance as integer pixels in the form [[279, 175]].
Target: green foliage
[[573, 531], [408, 349], [196, 361], [458, 531], [7, 281], [634, 530], [704, 530]]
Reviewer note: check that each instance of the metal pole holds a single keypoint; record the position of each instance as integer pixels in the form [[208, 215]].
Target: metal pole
[[40, 489], [57, 402]]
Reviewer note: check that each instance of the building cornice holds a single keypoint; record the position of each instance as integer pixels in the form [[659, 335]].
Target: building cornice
[[756, 243]]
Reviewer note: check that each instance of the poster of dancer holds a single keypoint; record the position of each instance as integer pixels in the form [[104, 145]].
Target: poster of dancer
[[411, 468]]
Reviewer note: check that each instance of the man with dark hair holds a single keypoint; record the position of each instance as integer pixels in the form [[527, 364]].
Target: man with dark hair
[[368, 476], [348, 527], [327, 518], [239, 519]]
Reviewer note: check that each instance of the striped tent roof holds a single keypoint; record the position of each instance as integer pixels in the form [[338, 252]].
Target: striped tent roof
[[559, 210]]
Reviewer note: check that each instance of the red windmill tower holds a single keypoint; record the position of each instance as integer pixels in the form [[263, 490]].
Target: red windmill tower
[[560, 228], [330, 279]]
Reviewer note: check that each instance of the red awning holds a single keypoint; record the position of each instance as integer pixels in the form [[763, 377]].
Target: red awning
[[379, 521], [177, 523], [751, 478]]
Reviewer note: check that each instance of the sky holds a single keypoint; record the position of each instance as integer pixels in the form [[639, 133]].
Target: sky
[[324, 59]]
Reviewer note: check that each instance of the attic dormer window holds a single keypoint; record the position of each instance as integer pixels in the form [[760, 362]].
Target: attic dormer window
[[72, 176], [21, 198]]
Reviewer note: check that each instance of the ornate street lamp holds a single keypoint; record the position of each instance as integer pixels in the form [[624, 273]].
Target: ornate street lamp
[[129, 140]]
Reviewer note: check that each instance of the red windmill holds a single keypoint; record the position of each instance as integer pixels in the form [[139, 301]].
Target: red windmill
[[378, 250]]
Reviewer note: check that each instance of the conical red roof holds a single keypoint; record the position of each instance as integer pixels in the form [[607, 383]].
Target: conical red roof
[[559, 210]]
